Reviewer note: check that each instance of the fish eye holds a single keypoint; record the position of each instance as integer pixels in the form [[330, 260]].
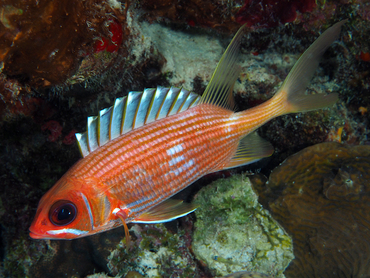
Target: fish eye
[[62, 213]]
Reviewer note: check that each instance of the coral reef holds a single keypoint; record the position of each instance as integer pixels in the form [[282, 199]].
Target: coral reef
[[246, 274], [156, 252], [15, 99], [43, 42], [233, 232], [50, 47], [270, 13], [321, 197], [225, 15], [55, 130], [205, 13], [130, 274], [76, 258]]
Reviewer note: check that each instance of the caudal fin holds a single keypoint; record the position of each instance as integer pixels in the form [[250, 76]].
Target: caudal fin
[[295, 84]]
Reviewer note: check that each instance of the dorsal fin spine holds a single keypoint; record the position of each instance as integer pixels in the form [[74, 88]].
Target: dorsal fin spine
[[144, 104], [194, 102], [115, 129], [155, 105], [163, 107], [150, 107], [191, 98], [135, 117], [105, 118], [162, 95], [124, 107], [174, 94], [168, 103], [92, 133], [171, 110], [82, 143], [182, 100], [133, 100]]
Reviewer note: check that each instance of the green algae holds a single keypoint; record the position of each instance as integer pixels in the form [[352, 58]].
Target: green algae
[[156, 253], [22, 254], [234, 233]]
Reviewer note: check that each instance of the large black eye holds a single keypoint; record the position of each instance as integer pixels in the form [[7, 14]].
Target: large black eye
[[62, 213]]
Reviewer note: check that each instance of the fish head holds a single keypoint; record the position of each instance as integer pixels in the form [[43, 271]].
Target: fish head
[[63, 212]]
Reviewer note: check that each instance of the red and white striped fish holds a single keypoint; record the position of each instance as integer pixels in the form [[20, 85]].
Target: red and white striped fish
[[152, 144]]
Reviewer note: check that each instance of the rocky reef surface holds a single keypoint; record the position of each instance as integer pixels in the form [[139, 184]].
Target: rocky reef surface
[[321, 196], [234, 233]]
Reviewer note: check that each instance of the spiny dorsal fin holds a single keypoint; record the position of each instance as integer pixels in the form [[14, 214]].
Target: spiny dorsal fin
[[133, 111], [220, 89], [251, 149]]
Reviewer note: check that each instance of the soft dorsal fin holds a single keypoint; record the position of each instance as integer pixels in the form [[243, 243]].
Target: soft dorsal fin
[[133, 111], [220, 89]]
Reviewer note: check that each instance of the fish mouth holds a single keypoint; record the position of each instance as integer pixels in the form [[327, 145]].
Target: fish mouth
[[36, 235]]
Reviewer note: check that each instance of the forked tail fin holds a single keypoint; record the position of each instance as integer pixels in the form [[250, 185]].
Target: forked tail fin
[[290, 98], [294, 86]]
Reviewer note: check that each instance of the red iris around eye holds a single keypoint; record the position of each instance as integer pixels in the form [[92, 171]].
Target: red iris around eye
[[62, 213]]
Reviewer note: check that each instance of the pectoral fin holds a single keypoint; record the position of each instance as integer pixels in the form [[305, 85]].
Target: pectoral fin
[[165, 212]]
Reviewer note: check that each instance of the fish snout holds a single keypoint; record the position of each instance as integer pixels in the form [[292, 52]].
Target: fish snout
[[39, 227], [35, 235]]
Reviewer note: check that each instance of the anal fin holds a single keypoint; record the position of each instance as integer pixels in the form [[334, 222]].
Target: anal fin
[[251, 149], [165, 212]]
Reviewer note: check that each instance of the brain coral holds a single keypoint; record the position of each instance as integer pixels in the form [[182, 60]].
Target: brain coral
[[321, 196]]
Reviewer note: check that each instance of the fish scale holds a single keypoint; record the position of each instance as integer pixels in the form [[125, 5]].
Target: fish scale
[[152, 144], [111, 152]]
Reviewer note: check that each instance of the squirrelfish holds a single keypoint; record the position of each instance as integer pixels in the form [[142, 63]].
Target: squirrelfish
[[151, 144]]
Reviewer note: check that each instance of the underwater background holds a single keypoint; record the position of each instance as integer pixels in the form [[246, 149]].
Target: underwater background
[[303, 212]]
